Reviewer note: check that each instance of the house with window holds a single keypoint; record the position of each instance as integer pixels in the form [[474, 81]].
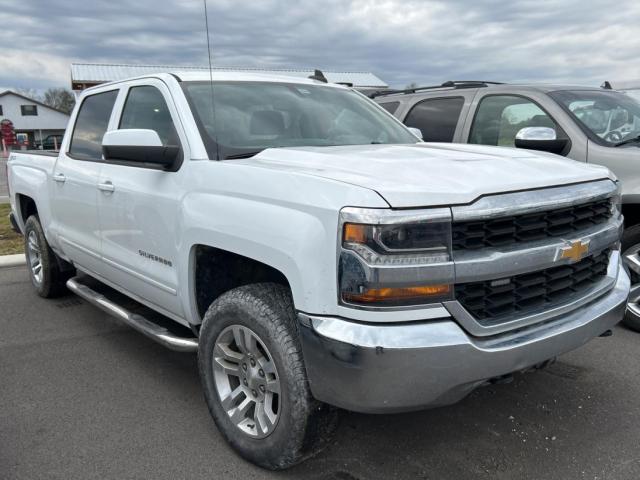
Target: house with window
[[31, 117]]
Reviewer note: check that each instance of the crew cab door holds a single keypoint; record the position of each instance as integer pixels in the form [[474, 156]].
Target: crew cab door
[[139, 203], [74, 193]]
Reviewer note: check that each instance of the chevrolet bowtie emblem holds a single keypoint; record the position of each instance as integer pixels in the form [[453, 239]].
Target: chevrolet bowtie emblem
[[575, 251]]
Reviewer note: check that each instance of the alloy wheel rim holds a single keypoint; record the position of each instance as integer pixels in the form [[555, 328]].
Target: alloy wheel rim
[[247, 381], [631, 259], [35, 257]]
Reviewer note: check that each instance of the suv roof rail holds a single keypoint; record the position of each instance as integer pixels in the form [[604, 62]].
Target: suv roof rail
[[448, 84]]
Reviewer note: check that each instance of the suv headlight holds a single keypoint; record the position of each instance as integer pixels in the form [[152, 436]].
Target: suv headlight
[[395, 258]]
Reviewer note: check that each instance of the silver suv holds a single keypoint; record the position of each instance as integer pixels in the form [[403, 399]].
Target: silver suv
[[595, 125]]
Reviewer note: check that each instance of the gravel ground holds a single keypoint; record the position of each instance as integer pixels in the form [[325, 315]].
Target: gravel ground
[[84, 397]]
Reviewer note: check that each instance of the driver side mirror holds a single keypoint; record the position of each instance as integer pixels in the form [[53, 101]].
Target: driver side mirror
[[542, 139], [139, 145]]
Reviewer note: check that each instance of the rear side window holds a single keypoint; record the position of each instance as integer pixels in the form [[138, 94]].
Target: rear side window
[[436, 118], [390, 107], [91, 125], [145, 108]]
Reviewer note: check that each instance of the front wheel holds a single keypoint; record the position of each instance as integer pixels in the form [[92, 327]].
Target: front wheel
[[631, 259], [254, 378]]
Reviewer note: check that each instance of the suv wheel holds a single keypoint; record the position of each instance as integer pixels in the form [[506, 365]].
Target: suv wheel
[[631, 259], [254, 378], [44, 268]]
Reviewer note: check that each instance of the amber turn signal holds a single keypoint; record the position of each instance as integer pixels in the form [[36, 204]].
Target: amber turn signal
[[355, 233], [393, 295]]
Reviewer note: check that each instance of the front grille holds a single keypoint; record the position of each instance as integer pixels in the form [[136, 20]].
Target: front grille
[[504, 231], [493, 300]]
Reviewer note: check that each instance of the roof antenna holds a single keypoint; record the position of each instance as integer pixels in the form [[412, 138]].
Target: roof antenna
[[319, 76], [213, 108]]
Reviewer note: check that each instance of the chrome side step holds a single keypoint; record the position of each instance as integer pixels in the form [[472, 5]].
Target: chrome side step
[[138, 322]]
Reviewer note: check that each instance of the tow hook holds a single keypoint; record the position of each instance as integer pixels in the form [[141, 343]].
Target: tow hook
[[607, 333]]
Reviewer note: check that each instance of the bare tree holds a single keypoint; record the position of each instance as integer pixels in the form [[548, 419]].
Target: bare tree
[[411, 86], [59, 98]]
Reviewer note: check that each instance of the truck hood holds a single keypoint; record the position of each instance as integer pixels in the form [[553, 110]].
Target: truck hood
[[431, 174]]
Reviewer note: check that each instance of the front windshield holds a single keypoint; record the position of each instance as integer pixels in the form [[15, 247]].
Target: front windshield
[[251, 116], [608, 117]]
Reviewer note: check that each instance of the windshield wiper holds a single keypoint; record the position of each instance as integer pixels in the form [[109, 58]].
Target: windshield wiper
[[243, 155], [627, 141]]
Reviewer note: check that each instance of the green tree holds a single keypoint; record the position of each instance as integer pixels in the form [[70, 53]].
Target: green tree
[[59, 98]]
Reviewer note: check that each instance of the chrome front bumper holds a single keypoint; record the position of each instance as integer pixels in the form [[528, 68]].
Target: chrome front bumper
[[391, 368]]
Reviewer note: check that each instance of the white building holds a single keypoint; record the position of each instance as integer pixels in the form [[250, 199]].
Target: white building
[[29, 116]]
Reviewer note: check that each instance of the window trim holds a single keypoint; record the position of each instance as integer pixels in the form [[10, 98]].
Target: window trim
[[564, 153], [442, 97], [75, 124], [35, 109]]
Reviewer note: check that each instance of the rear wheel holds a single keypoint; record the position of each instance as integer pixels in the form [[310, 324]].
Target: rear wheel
[[631, 259], [254, 378], [44, 268]]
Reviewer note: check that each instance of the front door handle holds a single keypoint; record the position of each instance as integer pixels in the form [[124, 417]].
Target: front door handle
[[59, 177], [106, 186]]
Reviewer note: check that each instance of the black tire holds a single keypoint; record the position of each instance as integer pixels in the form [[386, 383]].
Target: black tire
[[631, 243], [304, 425], [52, 282]]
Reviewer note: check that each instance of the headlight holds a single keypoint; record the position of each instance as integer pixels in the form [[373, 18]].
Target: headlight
[[395, 258]]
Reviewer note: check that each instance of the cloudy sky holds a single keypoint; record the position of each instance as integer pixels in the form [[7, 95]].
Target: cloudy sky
[[402, 41]]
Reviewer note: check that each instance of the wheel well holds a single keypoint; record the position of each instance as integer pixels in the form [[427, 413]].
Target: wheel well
[[218, 271], [27, 207], [631, 212]]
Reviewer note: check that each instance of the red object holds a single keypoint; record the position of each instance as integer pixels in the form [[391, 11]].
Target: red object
[[7, 133]]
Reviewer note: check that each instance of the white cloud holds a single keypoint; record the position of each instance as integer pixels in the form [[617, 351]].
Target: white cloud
[[401, 41]]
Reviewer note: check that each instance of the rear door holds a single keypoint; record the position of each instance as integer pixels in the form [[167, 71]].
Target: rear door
[[75, 182], [139, 204]]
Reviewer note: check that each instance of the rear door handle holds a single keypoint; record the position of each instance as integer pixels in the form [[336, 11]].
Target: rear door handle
[[106, 186], [59, 177]]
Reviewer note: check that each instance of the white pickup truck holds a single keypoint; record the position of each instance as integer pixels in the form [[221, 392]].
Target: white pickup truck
[[313, 251]]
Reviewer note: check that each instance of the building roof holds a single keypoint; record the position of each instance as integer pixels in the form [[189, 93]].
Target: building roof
[[29, 99], [84, 75]]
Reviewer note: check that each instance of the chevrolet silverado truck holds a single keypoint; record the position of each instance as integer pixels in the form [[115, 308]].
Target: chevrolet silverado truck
[[593, 125], [313, 251]]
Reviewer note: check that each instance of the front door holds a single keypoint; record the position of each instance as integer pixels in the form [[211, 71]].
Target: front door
[[139, 207]]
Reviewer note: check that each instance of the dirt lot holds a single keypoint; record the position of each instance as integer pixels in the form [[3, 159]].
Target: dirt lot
[[84, 397]]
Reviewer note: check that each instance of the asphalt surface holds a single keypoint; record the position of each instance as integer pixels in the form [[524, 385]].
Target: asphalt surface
[[84, 397]]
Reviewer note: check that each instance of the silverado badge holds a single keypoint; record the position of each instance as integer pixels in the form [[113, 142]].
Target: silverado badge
[[575, 251]]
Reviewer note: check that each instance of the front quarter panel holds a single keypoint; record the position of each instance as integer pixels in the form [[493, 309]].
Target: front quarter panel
[[288, 221]]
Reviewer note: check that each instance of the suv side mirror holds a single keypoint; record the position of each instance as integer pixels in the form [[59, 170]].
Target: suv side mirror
[[417, 132], [540, 138], [138, 145]]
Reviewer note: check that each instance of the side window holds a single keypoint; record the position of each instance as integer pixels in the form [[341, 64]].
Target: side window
[[436, 118], [91, 125], [390, 107], [500, 117], [145, 108]]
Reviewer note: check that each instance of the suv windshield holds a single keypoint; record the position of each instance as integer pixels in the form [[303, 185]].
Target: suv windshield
[[250, 116], [607, 117]]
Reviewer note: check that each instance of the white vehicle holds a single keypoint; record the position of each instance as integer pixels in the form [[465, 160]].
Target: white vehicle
[[313, 251]]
